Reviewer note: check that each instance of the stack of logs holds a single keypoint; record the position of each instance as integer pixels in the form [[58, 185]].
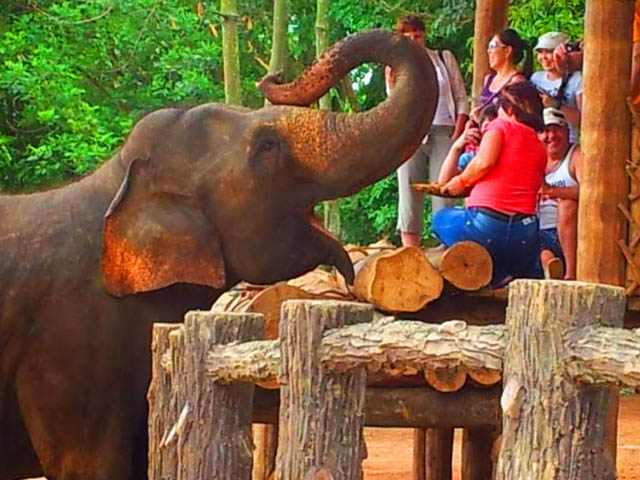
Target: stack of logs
[[393, 280]]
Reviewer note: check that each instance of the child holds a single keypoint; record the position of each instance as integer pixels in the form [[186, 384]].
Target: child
[[487, 114]]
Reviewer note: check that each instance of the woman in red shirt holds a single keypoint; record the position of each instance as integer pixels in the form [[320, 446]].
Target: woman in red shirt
[[503, 180]]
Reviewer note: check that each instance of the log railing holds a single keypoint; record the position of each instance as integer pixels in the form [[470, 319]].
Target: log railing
[[562, 351]]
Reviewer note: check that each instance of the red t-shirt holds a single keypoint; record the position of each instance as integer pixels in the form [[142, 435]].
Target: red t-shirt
[[512, 184]]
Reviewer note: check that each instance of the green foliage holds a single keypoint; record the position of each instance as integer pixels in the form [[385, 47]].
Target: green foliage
[[75, 76]]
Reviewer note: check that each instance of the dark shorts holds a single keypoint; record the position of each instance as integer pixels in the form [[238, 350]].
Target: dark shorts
[[549, 241]]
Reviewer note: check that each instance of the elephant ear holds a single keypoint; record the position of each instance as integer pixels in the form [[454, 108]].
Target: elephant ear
[[151, 240]]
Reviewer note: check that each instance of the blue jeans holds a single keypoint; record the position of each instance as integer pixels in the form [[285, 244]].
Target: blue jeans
[[514, 245]]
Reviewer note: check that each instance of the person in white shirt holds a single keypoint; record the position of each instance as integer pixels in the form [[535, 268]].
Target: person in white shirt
[[559, 91], [558, 206], [448, 123]]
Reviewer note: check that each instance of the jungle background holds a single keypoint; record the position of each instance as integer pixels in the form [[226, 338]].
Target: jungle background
[[76, 75]]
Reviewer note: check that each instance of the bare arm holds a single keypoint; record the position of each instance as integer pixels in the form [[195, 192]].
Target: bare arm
[[567, 193], [461, 120], [486, 158]]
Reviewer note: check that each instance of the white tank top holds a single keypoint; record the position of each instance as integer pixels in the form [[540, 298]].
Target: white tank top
[[560, 177]]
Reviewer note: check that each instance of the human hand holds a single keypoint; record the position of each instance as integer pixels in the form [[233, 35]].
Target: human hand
[[455, 187], [568, 62], [546, 191], [549, 101], [470, 135]]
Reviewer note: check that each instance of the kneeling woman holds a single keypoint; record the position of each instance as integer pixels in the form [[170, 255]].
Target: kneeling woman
[[503, 181]]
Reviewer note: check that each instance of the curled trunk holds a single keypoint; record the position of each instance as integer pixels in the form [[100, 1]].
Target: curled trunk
[[347, 152]]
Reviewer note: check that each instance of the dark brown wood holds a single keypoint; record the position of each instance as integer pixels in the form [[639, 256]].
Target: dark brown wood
[[439, 448], [215, 440], [322, 414], [553, 426], [162, 459], [605, 136], [419, 454], [490, 18], [477, 446], [412, 407]]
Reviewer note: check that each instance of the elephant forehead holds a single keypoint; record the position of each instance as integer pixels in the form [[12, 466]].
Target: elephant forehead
[[309, 140]]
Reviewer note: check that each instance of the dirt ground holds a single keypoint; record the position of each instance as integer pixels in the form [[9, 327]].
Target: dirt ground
[[390, 452]]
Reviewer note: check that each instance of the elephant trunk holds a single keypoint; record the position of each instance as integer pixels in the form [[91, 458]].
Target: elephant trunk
[[345, 152]]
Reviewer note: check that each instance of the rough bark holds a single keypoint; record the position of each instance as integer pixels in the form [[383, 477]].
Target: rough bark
[[386, 344], [230, 57], [465, 265], [215, 441], [605, 137], [490, 18], [604, 356], [399, 280], [162, 459], [322, 414], [554, 427]]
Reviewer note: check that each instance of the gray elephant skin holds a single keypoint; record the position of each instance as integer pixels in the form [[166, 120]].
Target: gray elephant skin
[[195, 200]]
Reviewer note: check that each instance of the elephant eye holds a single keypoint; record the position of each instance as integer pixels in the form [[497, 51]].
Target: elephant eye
[[267, 145]]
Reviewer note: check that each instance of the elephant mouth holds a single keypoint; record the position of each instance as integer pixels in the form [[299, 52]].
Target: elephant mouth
[[335, 254]]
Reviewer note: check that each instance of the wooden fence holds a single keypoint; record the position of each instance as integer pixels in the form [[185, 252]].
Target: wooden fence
[[560, 352]]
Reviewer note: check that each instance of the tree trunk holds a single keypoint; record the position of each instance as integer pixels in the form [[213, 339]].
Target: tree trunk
[[400, 280], [322, 412], [465, 265], [278, 61], [553, 426], [490, 18], [215, 439], [477, 450], [162, 460], [331, 209], [230, 57]]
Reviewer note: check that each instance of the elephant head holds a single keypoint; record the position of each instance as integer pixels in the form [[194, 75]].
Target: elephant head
[[216, 194]]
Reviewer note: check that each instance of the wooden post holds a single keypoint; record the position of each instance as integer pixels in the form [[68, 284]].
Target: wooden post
[[322, 412], [162, 459], [491, 17], [215, 435], [265, 438], [439, 449], [606, 145], [553, 426], [477, 445], [606, 140], [419, 454]]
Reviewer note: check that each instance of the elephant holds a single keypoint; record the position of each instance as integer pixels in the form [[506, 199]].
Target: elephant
[[196, 200]]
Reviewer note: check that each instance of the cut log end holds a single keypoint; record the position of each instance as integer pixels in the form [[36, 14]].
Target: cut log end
[[466, 265], [399, 280], [446, 379]]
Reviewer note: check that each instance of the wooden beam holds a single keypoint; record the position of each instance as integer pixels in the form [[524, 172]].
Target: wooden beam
[[606, 141], [491, 17], [469, 407]]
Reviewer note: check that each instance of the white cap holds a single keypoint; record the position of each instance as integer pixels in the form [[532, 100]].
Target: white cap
[[553, 116], [550, 40]]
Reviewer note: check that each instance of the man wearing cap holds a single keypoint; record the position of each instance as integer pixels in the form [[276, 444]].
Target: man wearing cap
[[563, 92], [558, 208]]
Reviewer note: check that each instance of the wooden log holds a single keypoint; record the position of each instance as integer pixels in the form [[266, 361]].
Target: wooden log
[[323, 284], [162, 459], [465, 265], [413, 407], [477, 448], [215, 441], [446, 379], [605, 138], [322, 413], [398, 280], [439, 448], [419, 454], [484, 377], [553, 426], [383, 345], [490, 18], [265, 439]]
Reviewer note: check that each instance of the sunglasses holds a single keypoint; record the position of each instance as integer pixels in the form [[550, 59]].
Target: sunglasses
[[493, 44]]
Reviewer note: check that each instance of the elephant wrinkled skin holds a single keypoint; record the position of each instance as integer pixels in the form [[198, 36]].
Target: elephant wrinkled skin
[[195, 201]]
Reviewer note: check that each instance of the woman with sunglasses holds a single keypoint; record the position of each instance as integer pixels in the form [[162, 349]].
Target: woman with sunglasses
[[503, 181], [506, 51]]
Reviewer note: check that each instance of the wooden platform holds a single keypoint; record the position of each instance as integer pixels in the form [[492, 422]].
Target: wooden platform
[[487, 306]]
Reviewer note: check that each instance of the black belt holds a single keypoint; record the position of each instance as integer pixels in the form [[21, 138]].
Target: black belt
[[503, 216]]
